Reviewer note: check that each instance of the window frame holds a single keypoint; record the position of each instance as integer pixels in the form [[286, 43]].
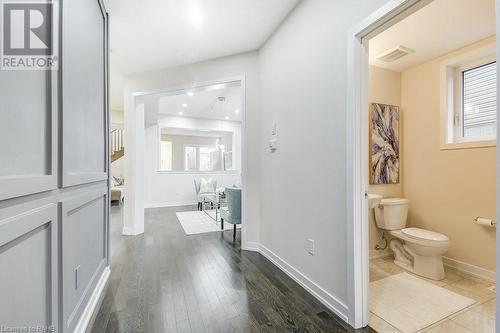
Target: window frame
[[161, 155], [216, 172], [452, 108]]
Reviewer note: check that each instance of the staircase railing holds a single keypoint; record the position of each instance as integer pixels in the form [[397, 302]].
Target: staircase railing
[[116, 140]]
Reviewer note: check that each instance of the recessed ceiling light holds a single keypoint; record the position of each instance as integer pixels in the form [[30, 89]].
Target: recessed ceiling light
[[190, 93], [236, 111], [227, 118], [184, 105], [181, 113]]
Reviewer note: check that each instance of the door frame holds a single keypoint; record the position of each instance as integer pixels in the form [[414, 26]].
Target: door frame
[[138, 96], [357, 151]]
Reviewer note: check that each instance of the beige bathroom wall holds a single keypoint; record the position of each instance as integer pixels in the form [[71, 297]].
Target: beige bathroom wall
[[384, 86], [447, 189]]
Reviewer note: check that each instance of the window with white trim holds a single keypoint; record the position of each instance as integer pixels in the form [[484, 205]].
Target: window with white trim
[[479, 102], [478, 114], [469, 88]]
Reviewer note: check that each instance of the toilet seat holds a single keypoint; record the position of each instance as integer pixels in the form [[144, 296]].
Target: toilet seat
[[424, 235]]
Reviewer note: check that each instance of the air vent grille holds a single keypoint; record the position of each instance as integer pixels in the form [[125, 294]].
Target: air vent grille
[[394, 54]]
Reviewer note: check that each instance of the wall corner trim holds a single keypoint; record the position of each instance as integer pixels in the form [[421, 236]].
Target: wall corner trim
[[90, 312], [250, 246], [130, 232], [327, 299]]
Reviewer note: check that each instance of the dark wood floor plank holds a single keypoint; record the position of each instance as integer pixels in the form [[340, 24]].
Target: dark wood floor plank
[[165, 281]]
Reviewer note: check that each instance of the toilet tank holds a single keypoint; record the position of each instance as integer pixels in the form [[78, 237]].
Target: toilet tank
[[391, 213]]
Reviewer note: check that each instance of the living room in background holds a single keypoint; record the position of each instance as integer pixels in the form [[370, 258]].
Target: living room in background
[[193, 135]]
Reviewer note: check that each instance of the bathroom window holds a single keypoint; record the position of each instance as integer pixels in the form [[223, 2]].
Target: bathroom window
[[478, 114], [470, 102]]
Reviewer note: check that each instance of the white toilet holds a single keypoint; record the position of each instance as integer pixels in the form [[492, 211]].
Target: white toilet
[[417, 250]]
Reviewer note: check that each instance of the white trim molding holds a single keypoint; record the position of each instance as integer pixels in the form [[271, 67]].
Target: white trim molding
[[451, 97], [250, 246], [90, 312], [357, 148], [330, 301], [469, 269]]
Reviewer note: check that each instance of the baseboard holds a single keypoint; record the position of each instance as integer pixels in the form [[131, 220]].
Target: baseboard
[[130, 232], [250, 246], [170, 204], [470, 269], [332, 303], [375, 254], [90, 312]]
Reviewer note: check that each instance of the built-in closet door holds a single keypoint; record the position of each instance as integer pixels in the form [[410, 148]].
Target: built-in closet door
[[54, 193], [83, 92]]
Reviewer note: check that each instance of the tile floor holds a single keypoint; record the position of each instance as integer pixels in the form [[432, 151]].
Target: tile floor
[[477, 318]]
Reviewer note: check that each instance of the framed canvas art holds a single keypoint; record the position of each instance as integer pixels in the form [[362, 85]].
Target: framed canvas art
[[384, 144]]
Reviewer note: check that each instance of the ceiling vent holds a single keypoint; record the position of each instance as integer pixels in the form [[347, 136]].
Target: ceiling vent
[[394, 54]]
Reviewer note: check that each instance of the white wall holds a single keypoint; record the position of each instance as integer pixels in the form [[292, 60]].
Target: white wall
[[221, 68], [169, 189], [302, 72]]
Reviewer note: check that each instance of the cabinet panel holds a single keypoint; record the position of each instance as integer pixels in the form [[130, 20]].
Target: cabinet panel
[[84, 246], [28, 132], [28, 261], [83, 92]]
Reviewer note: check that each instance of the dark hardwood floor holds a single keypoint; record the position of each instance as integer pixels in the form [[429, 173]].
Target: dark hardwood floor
[[165, 281]]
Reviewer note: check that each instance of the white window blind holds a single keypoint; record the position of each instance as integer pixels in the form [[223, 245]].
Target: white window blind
[[480, 101]]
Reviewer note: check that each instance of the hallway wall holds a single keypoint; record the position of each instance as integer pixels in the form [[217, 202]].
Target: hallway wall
[[302, 70]]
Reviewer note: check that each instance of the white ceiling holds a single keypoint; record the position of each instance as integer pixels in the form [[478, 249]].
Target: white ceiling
[[151, 34], [436, 29], [203, 103]]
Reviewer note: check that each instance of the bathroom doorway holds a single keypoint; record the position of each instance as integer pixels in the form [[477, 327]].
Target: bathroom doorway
[[424, 155]]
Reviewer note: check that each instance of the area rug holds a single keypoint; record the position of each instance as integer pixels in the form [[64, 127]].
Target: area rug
[[411, 304], [197, 222]]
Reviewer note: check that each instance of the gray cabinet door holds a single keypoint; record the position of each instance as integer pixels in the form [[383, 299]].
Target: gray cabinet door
[[28, 132], [54, 193], [83, 92]]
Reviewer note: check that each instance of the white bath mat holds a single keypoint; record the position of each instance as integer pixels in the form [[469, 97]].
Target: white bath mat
[[197, 222], [411, 304]]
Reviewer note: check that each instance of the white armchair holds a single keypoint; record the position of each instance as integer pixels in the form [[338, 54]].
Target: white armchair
[[204, 188]]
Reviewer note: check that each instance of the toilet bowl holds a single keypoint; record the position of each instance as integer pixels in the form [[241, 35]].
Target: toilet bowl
[[417, 250]]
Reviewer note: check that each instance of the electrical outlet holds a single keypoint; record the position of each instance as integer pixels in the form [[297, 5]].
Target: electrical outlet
[[310, 246]]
